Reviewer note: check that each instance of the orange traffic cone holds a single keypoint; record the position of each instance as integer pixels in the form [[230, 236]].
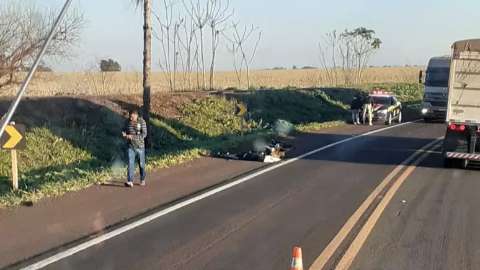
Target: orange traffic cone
[[297, 263]]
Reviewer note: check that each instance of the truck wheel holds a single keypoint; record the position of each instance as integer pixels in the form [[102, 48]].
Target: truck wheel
[[448, 163], [452, 163]]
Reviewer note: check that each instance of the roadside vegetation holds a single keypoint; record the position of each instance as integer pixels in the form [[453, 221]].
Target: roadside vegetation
[[73, 143], [74, 119]]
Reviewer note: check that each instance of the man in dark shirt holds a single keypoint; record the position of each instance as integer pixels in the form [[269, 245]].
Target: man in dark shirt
[[135, 132], [355, 107]]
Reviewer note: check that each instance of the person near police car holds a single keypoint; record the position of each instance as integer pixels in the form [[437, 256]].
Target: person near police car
[[135, 132], [355, 107], [368, 110]]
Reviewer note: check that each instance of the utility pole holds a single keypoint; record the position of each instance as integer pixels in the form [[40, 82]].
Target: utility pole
[[147, 66]]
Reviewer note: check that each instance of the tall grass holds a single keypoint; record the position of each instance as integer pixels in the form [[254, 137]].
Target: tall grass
[[103, 84]]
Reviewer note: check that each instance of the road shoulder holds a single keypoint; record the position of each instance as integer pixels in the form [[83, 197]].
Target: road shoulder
[[54, 222]]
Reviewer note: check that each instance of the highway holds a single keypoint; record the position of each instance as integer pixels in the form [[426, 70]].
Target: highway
[[423, 216]]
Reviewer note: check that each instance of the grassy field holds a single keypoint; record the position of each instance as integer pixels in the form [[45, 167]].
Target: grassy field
[[96, 83], [74, 142]]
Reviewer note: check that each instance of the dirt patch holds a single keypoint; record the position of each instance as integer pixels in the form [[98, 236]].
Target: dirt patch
[[38, 110], [164, 105]]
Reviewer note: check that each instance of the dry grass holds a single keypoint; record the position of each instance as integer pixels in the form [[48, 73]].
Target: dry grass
[[100, 84]]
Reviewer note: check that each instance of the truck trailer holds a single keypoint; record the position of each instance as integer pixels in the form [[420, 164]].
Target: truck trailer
[[461, 145]]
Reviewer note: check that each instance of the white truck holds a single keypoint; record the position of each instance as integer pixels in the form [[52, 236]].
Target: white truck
[[461, 144], [434, 106]]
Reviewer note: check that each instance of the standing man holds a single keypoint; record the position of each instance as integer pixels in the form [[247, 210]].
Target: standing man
[[135, 132], [368, 110], [355, 107]]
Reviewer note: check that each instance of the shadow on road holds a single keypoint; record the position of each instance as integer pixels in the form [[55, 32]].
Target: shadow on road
[[369, 150]]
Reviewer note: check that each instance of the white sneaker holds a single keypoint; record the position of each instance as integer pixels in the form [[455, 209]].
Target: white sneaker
[[129, 184]]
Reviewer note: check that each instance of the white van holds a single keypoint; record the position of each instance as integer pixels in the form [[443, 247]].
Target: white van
[[435, 99]]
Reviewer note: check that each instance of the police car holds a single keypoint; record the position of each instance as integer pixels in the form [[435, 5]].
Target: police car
[[386, 107]]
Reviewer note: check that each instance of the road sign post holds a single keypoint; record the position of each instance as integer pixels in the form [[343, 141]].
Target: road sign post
[[14, 169], [13, 139]]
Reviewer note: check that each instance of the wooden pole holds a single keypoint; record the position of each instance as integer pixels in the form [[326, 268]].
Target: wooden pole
[[14, 170], [147, 67]]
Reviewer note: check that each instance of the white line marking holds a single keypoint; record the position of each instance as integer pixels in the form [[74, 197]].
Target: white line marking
[[102, 238]]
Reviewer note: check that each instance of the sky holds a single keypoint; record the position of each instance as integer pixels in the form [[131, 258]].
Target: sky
[[411, 31]]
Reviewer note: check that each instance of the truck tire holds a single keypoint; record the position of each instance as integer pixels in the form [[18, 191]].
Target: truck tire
[[448, 163], [452, 163]]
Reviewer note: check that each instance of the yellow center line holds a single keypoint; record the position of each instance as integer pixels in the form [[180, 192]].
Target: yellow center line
[[360, 239], [329, 251]]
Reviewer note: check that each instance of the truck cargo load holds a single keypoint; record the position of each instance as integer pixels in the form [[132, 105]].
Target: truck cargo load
[[464, 97], [461, 144]]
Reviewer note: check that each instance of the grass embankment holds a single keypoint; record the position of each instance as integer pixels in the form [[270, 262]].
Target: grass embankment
[[73, 143]]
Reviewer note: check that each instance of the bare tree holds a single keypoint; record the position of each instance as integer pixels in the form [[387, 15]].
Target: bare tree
[[200, 16], [350, 52], [184, 43], [168, 38], [219, 15], [23, 30], [242, 49], [187, 43], [176, 52], [328, 57]]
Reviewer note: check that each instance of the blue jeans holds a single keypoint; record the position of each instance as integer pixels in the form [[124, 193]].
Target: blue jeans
[[133, 153]]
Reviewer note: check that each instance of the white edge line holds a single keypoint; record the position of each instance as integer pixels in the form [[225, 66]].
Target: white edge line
[[102, 238]]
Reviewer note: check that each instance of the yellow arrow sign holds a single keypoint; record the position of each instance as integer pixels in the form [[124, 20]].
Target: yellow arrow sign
[[15, 137]]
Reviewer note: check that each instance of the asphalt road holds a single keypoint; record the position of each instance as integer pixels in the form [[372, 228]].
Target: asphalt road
[[255, 225], [432, 223]]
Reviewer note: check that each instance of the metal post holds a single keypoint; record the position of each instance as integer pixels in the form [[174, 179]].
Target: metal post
[[14, 169], [27, 80]]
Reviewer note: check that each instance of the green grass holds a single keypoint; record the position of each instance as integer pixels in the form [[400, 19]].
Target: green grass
[[49, 166], [294, 106], [66, 155], [214, 116], [69, 152]]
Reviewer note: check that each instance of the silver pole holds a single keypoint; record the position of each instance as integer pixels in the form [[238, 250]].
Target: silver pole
[[27, 80]]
